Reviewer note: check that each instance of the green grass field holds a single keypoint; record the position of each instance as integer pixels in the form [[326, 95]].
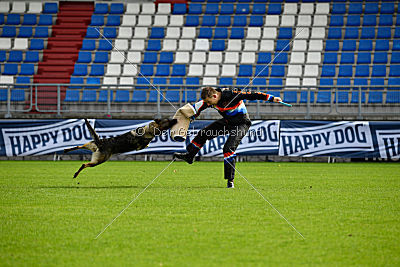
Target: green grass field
[[348, 213]]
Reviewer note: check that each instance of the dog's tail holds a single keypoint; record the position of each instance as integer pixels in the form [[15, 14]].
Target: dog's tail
[[93, 133], [71, 149]]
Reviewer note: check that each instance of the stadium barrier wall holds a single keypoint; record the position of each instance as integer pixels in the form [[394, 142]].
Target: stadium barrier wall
[[347, 139]]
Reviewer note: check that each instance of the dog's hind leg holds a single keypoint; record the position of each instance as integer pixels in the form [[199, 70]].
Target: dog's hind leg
[[93, 133], [90, 164], [97, 158]]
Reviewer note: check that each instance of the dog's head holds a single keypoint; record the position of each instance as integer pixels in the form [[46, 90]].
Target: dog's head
[[160, 125]]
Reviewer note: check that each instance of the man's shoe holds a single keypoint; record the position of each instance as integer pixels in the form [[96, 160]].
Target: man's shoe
[[184, 156], [230, 184]]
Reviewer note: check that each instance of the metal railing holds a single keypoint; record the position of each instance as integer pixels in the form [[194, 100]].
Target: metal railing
[[51, 98]]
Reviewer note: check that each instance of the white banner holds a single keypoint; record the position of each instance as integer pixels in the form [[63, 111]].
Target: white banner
[[389, 143]]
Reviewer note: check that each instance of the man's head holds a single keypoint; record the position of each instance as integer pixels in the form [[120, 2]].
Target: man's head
[[210, 96]]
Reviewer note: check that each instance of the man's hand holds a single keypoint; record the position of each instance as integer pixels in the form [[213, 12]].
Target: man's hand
[[277, 99]]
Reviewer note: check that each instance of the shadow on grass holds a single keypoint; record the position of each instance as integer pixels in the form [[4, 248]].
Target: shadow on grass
[[127, 187]]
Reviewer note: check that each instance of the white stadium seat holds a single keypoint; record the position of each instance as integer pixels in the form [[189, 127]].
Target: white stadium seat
[[144, 20], [293, 82], [318, 33], [231, 57], [141, 33], [188, 33], [173, 32], [176, 20], [253, 33], [109, 81], [209, 81], [125, 32], [314, 57], [130, 70], [117, 57], [322, 8], [185, 45], [271, 21], [198, 57], [299, 45], [6, 80], [320, 20], [113, 70], [309, 81], [137, 45], [287, 21], [202, 45], [128, 81], [5, 43], [228, 71], [212, 70], [304, 20], [250, 45], [269, 33], [18, 7], [128, 20], [195, 70], [290, 8], [121, 44], [134, 57], [248, 58], [4, 7], [315, 45], [295, 71], [234, 45], [164, 8], [297, 58], [148, 8], [160, 21], [214, 57], [267, 45], [311, 70], [182, 57], [35, 7], [307, 8], [169, 45], [302, 33], [132, 8], [20, 43]]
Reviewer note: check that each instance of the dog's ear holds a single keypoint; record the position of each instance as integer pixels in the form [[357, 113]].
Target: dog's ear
[[158, 121]]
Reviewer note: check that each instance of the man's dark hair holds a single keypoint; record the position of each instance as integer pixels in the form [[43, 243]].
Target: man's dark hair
[[207, 92]]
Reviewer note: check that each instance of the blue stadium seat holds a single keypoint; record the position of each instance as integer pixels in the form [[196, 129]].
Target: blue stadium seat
[[22, 80], [324, 95], [330, 58], [385, 20], [27, 69], [80, 70], [116, 8], [17, 95], [84, 57], [378, 71], [240, 21], [345, 71], [355, 90], [274, 9], [25, 31], [104, 95], [76, 80], [172, 96], [351, 33], [395, 59], [220, 33], [176, 81], [347, 58], [353, 20], [226, 81], [3, 56], [369, 20], [282, 45], [89, 96], [277, 71], [139, 95], [362, 71], [262, 82], [113, 20], [259, 9], [364, 58], [9, 31], [398, 21], [13, 19], [371, 8], [304, 96], [205, 33], [121, 96], [92, 83], [275, 82], [338, 8], [150, 57], [92, 32], [104, 45], [110, 32], [166, 57], [10, 69], [387, 8], [332, 45], [97, 70], [50, 8], [45, 20], [195, 8], [226, 9], [261, 70], [396, 44], [368, 33], [153, 96], [193, 81], [280, 58], [153, 45], [157, 33], [179, 8], [100, 8], [189, 96], [147, 70], [97, 20], [88, 44], [393, 96], [380, 58], [162, 70], [397, 32], [101, 57], [178, 70], [394, 70], [349, 45], [208, 20], [15, 56], [71, 95], [384, 33], [256, 21], [29, 19], [290, 96], [1, 19], [355, 8], [335, 33], [160, 81], [328, 71], [218, 45], [365, 45], [242, 82], [212, 8], [343, 94], [237, 33], [285, 33], [336, 20], [383, 45], [264, 58], [245, 70], [192, 21], [41, 32], [242, 8], [224, 21]]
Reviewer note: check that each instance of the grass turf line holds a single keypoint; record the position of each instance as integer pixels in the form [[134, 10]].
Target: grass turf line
[[349, 214]]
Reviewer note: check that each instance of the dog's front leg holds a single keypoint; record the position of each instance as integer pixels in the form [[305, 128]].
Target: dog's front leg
[[90, 164]]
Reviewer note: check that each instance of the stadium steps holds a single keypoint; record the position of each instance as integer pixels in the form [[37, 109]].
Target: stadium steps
[[62, 51]]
